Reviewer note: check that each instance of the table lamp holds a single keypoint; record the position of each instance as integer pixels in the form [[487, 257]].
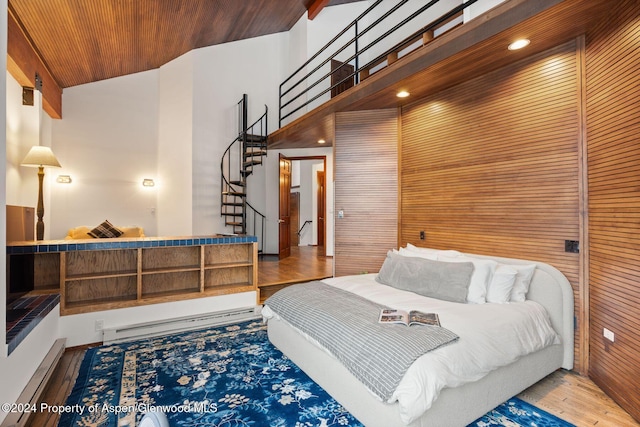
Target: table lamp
[[40, 157]]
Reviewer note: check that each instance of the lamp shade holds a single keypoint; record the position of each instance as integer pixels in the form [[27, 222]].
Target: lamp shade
[[40, 156]]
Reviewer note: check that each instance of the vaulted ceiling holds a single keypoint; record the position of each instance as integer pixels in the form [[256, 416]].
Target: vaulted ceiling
[[82, 41]]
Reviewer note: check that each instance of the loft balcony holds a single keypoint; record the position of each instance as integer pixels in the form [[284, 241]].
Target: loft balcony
[[458, 54]]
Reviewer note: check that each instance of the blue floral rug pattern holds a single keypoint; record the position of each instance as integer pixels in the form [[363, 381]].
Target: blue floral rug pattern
[[228, 376]]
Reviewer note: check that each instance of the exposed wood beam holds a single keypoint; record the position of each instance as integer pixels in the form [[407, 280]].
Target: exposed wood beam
[[23, 62], [314, 9]]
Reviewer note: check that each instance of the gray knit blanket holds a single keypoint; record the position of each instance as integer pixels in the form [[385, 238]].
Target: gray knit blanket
[[347, 325]]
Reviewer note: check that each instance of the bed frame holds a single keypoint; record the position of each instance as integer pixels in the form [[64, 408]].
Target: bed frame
[[455, 406]]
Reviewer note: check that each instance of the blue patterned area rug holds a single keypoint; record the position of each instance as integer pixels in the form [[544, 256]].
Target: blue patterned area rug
[[227, 376], [518, 413]]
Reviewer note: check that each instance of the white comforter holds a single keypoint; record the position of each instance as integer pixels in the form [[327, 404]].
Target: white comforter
[[491, 336]]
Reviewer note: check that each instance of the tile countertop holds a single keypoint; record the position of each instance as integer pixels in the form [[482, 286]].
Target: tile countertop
[[44, 246]]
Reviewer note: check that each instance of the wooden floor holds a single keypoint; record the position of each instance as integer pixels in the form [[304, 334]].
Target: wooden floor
[[573, 398], [306, 263], [576, 399]]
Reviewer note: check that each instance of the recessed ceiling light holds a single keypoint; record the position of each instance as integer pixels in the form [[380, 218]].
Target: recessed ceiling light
[[321, 141], [519, 44], [402, 94]]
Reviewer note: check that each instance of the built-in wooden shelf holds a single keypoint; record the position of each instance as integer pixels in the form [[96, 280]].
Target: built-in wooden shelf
[[117, 273]]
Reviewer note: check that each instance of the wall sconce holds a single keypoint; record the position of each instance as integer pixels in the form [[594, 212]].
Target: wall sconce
[[64, 179], [148, 182]]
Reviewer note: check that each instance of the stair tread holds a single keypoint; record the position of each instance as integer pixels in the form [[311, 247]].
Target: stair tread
[[250, 137], [233, 193], [232, 204], [255, 153], [255, 144], [238, 183]]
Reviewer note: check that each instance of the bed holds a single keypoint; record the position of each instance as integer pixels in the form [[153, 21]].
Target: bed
[[465, 397]]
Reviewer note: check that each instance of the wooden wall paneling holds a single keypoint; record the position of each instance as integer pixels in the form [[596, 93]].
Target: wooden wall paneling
[[228, 276], [366, 187], [491, 166], [167, 258], [46, 272], [613, 131], [170, 283], [399, 183], [216, 254], [102, 289], [139, 273], [101, 262], [583, 200]]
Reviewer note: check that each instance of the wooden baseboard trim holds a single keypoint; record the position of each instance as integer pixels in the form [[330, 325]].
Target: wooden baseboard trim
[[36, 385]]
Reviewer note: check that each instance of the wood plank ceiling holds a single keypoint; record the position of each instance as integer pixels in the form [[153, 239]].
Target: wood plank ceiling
[[82, 41]]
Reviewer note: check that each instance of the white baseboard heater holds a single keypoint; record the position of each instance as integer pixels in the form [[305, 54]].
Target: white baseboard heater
[[178, 324]]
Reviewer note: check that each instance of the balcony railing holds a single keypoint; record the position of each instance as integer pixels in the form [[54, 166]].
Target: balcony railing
[[382, 34]]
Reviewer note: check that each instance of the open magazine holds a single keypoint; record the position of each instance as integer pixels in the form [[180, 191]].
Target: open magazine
[[413, 317]]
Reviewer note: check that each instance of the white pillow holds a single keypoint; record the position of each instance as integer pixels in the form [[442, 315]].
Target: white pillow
[[429, 251], [482, 273], [523, 280], [418, 254], [499, 290]]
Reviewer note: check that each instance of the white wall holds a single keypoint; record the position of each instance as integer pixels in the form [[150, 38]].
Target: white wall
[[23, 132], [479, 8], [297, 55], [175, 152], [107, 141]]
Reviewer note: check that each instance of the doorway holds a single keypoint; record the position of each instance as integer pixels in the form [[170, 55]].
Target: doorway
[[342, 77], [309, 182], [321, 203], [284, 211]]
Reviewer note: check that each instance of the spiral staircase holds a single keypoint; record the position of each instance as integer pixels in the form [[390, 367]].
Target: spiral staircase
[[240, 158]]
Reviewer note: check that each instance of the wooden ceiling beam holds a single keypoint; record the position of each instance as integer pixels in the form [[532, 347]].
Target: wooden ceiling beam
[[314, 8], [23, 62]]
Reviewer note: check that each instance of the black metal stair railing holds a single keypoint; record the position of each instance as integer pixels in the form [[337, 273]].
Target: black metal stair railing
[[307, 222], [237, 164], [375, 50]]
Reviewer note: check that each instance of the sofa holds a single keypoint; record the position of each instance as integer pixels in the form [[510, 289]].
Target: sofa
[[82, 232]]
